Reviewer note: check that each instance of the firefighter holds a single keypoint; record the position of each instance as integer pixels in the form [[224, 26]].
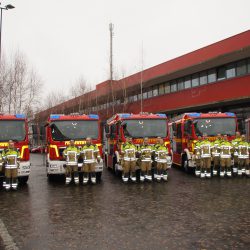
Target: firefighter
[[71, 153], [11, 157], [161, 153], [243, 156], [146, 151], [235, 143], [197, 156], [205, 148], [225, 157], [216, 154], [158, 139], [91, 155], [128, 155]]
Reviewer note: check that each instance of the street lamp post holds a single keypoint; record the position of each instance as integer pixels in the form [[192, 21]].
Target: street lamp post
[[7, 7]]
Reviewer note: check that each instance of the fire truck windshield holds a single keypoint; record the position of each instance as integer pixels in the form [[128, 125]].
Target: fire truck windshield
[[12, 130], [145, 128], [76, 130], [214, 126]]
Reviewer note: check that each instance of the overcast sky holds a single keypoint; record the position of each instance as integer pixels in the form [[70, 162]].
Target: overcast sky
[[64, 40]]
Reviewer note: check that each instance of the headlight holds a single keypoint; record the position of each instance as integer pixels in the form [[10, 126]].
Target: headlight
[[53, 166]]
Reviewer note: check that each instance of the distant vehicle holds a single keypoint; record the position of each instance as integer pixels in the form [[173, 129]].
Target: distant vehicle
[[185, 129], [15, 128], [38, 149]]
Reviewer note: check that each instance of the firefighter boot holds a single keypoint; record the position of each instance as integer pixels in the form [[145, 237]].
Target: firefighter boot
[[7, 184], [14, 183], [125, 177], [247, 171], [76, 178], [215, 170], [235, 169], [85, 178], [158, 176], [229, 172], [148, 176], [142, 176], [208, 173], [202, 173], [243, 170], [93, 177], [133, 176], [222, 172], [197, 171], [165, 175]]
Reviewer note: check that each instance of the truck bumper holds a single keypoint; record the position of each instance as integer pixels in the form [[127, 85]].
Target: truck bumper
[[24, 168]]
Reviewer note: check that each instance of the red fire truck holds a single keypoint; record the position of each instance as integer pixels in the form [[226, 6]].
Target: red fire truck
[[185, 129], [60, 129], [137, 126], [15, 128]]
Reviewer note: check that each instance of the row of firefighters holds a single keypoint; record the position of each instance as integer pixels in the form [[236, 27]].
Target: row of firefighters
[[221, 152], [130, 158]]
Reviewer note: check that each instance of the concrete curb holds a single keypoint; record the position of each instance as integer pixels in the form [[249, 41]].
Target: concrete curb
[[8, 241]]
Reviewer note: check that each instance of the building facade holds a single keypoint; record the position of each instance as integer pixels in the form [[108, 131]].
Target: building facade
[[213, 78]]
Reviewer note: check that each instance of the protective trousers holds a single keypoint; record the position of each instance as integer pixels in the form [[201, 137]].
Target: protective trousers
[[72, 170], [244, 164], [11, 178], [129, 166], [161, 168], [206, 164], [216, 164], [225, 163]]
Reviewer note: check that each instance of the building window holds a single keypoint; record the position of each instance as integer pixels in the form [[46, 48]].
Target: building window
[[230, 71], [211, 75], [139, 97], [248, 65], [173, 86], [203, 78], [167, 87], [135, 98], [155, 91], [150, 93], [241, 68], [145, 95], [131, 98], [221, 73], [195, 80], [180, 84], [187, 82], [161, 89]]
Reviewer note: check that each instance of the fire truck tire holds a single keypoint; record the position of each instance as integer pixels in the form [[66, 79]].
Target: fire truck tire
[[23, 180], [184, 164]]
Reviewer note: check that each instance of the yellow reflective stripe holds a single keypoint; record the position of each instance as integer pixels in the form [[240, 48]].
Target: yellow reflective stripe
[[22, 151], [166, 143], [55, 147], [98, 144]]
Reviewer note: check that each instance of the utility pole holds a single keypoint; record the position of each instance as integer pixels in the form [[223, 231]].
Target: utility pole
[[111, 31], [141, 77]]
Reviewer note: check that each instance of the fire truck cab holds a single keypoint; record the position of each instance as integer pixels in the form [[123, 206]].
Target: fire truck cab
[[137, 126], [60, 129], [15, 128], [185, 129]]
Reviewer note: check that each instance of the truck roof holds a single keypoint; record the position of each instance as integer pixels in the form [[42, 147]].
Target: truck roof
[[12, 117], [62, 117], [204, 115], [128, 116]]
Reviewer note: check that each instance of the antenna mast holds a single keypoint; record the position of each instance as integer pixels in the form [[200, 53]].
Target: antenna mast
[[141, 77]]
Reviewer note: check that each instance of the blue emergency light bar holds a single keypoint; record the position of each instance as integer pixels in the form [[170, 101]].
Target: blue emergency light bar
[[194, 114], [230, 114], [93, 116], [54, 116], [124, 115], [162, 115], [20, 116]]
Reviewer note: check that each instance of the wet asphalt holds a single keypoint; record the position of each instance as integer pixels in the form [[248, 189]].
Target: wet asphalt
[[184, 213]]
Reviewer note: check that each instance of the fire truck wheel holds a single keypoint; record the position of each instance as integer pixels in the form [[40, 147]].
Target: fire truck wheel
[[99, 176], [185, 166], [23, 180]]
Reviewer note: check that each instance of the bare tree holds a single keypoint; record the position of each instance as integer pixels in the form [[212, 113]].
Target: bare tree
[[20, 85]]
